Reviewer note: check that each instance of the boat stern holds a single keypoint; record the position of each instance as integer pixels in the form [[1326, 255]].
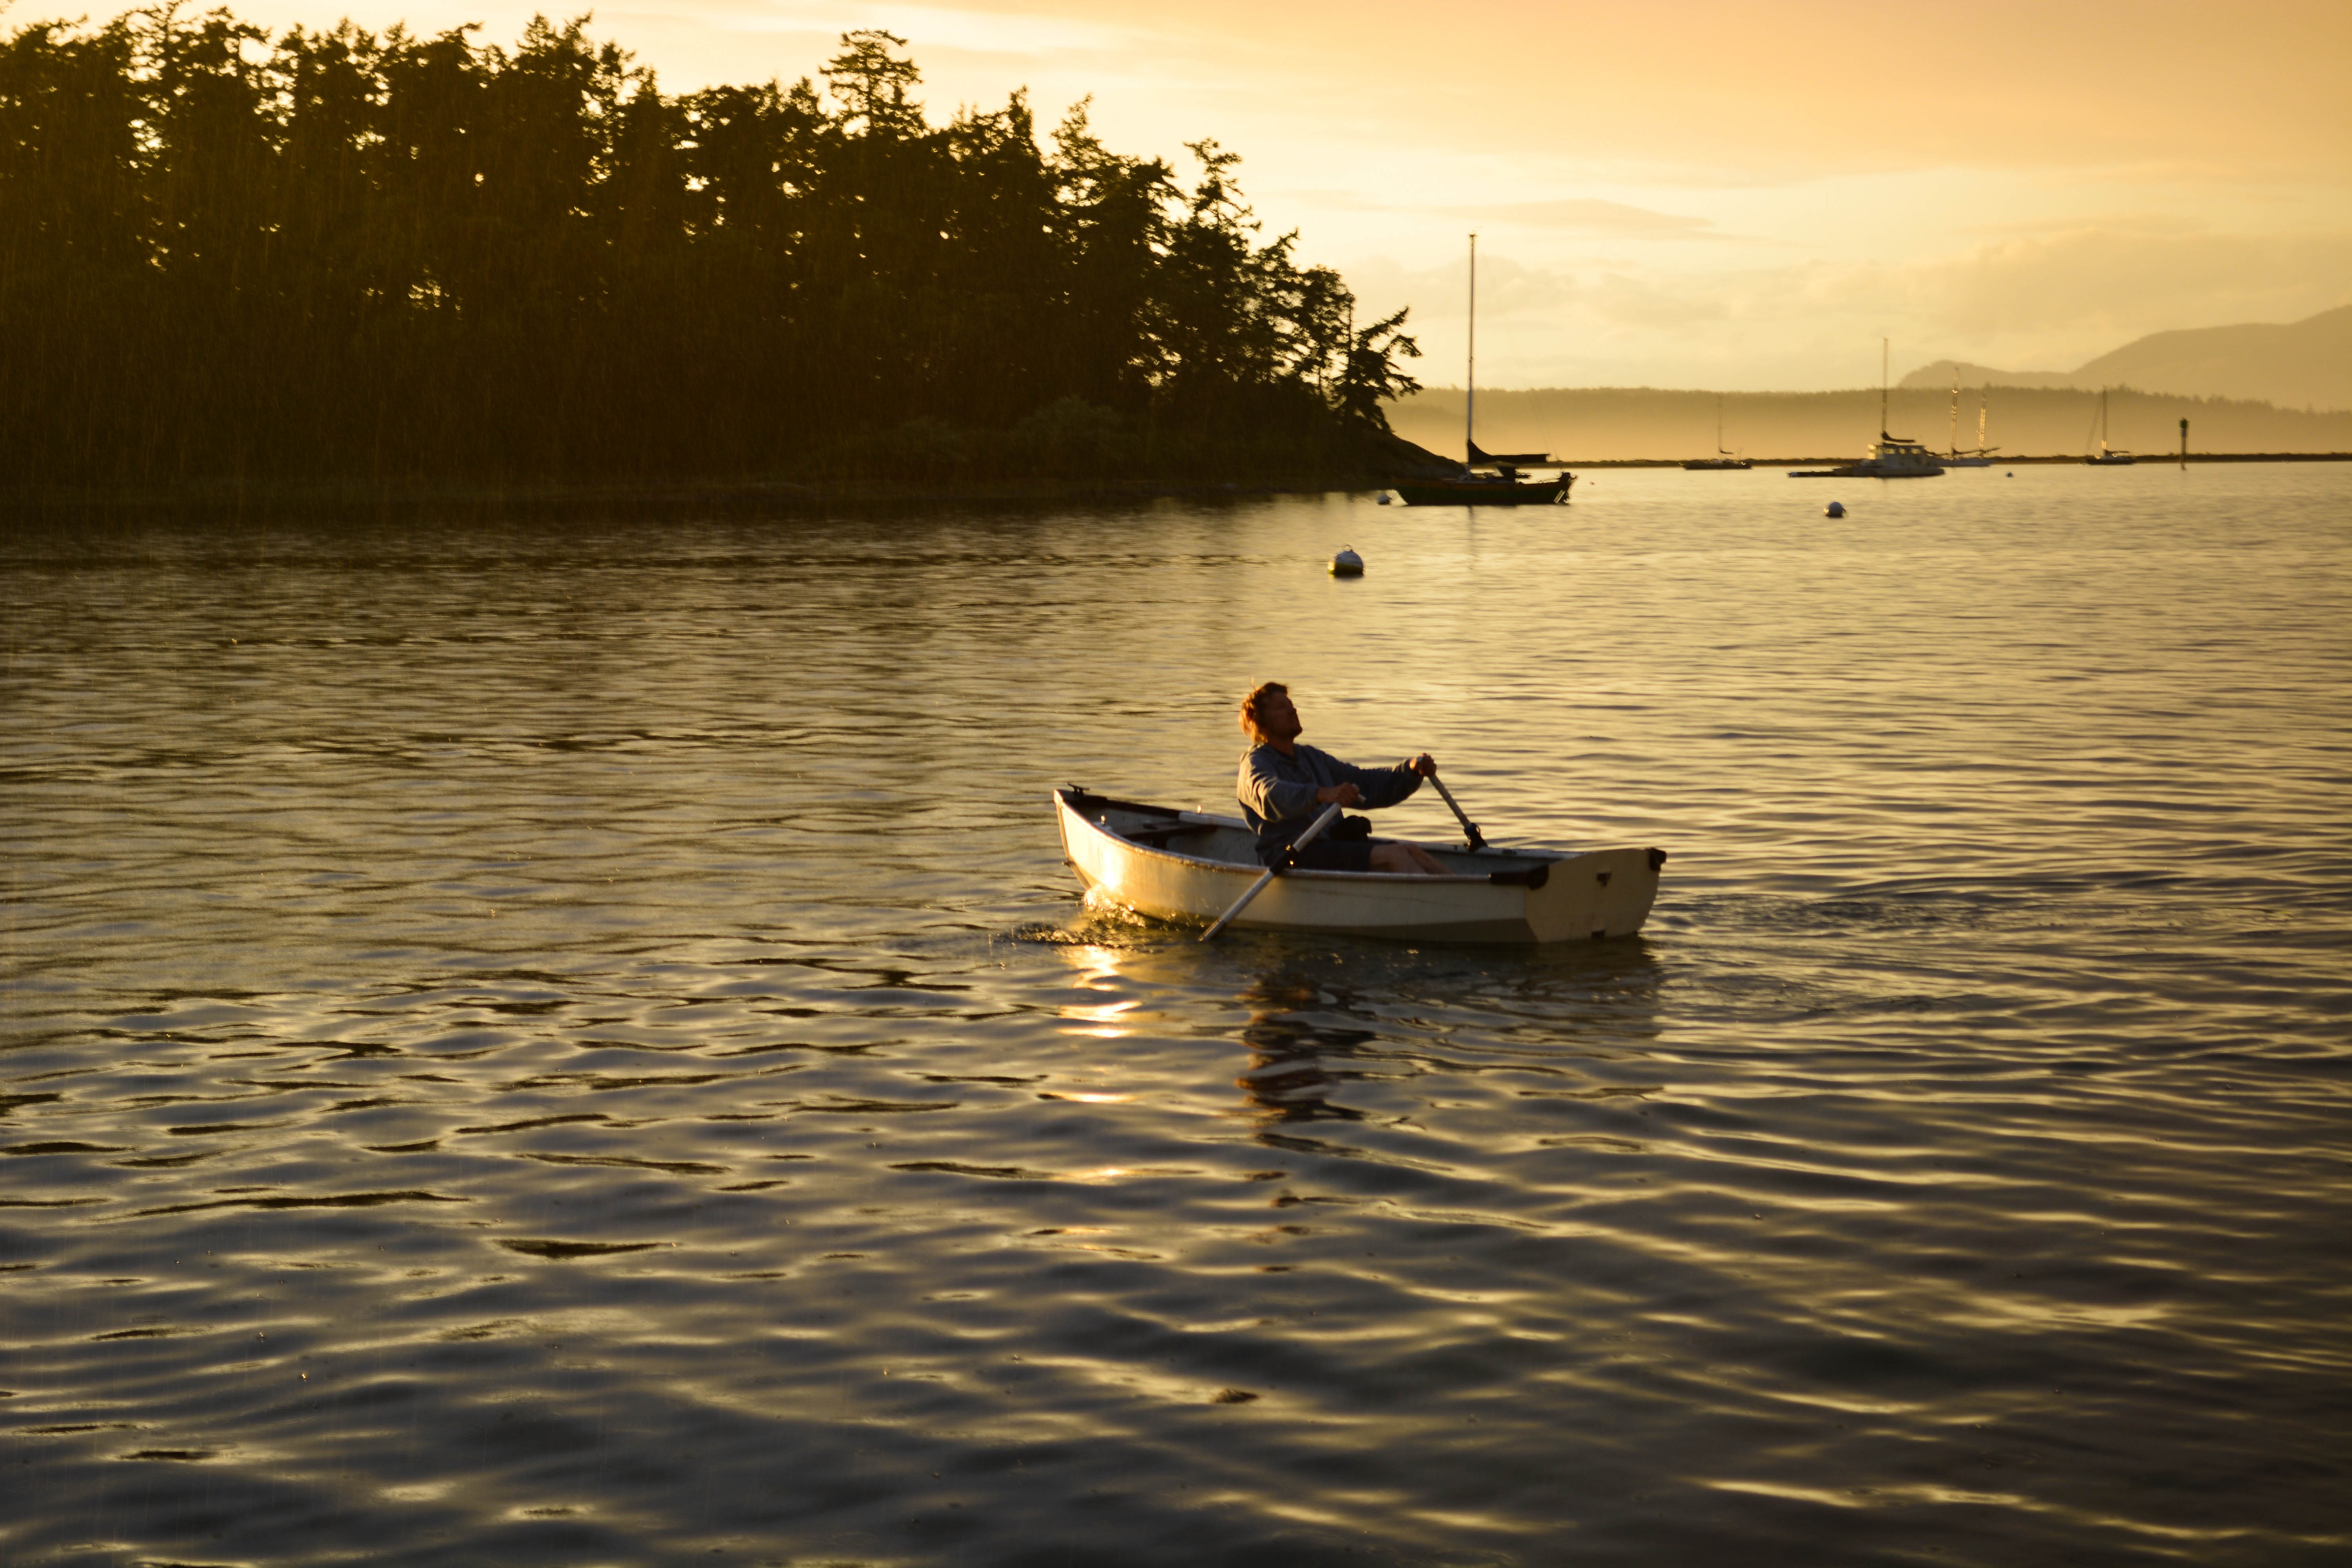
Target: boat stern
[[1600, 894]]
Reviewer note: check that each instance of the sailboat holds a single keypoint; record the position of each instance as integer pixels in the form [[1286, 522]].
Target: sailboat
[[1488, 478], [1954, 458], [1723, 459], [1890, 457], [2108, 456]]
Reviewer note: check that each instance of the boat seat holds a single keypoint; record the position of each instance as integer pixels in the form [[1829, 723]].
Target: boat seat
[[1158, 834]]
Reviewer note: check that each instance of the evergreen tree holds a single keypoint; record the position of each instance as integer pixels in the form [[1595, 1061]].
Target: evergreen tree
[[349, 255]]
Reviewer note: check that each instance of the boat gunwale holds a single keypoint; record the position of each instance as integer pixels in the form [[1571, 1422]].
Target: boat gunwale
[[1246, 868]]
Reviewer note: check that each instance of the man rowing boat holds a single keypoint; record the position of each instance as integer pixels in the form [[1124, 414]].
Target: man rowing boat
[[1283, 787]]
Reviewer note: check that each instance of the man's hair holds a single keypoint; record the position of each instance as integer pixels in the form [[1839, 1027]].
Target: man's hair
[[1258, 694]]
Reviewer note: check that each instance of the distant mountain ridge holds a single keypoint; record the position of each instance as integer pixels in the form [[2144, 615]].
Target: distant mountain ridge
[[2300, 364], [1605, 423]]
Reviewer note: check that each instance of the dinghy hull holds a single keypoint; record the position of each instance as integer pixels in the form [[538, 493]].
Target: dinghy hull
[[1484, 492], [1190, 867]]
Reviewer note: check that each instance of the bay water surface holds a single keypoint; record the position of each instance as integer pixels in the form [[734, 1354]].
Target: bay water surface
[[569, 1040]]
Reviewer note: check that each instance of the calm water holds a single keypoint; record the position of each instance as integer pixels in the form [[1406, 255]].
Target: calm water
[[573, 1043]]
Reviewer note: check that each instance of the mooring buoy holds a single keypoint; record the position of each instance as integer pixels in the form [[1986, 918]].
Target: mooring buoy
[[1835, 508], [1347, 563]]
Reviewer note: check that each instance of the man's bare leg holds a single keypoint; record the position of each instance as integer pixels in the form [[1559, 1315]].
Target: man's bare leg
[[1410, 859]]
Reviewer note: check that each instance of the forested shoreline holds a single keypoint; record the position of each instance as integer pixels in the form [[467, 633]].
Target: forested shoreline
[[339, 256]]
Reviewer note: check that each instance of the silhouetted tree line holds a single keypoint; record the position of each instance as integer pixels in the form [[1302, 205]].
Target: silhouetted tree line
[[349, 255]]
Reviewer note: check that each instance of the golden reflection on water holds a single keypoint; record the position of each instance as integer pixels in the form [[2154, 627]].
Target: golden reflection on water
[[1956, 1160], [1286, 1079], [1097, 966]]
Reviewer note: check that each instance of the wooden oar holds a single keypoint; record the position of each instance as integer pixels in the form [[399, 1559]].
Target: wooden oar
[[1477, 839], [1272, 871]]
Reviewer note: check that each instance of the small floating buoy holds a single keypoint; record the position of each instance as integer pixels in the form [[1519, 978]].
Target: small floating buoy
[[1383, 498], [1347, 563], [1835, 508]]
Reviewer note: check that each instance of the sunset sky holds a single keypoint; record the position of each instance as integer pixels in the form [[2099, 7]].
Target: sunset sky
[[1698, 195]]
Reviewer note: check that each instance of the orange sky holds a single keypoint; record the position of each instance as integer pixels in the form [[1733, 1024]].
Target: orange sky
[[1677, 193]]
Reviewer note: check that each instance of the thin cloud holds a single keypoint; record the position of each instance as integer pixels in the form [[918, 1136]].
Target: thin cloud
[[940, 27], [1571, 214], [2166, 225], [1591, 216], [2043, 301], [2085, 285], [1510, 292]]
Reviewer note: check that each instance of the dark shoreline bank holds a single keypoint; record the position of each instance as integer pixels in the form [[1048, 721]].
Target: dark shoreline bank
[[661, 495], [792, 495], [2146, 459], [1371, 459]]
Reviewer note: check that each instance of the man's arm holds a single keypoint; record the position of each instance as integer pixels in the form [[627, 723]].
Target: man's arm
[[1377, 787], [1266, 790]]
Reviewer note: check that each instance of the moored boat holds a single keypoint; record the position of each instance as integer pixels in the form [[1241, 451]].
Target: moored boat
[[1724, 459], [1190, 866], [2108, 456], [1502, 487], [1954, 457], [1486, 478], [1889, 457]]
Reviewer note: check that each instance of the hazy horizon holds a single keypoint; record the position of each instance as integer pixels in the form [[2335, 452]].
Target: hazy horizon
[[1715, 195], [1587, 425]]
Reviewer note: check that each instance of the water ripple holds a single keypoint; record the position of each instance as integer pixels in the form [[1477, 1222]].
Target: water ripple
[[565, 1041]]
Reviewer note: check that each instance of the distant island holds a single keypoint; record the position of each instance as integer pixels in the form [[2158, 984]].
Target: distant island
[[1643, 423], [346, 259], [2244, 390], [2305, 364]]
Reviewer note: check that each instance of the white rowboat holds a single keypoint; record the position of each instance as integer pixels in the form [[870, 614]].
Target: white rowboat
[[1190, 866]]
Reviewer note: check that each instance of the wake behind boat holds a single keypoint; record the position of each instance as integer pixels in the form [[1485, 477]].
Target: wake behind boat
[[1190, 866]]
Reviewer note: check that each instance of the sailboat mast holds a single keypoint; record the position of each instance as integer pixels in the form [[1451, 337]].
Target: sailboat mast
[[1470, 376], [1952, 440], [1882, 389]]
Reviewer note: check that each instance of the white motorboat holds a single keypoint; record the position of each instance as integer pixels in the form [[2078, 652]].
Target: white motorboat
[[1889, 457], [1191, 866]]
